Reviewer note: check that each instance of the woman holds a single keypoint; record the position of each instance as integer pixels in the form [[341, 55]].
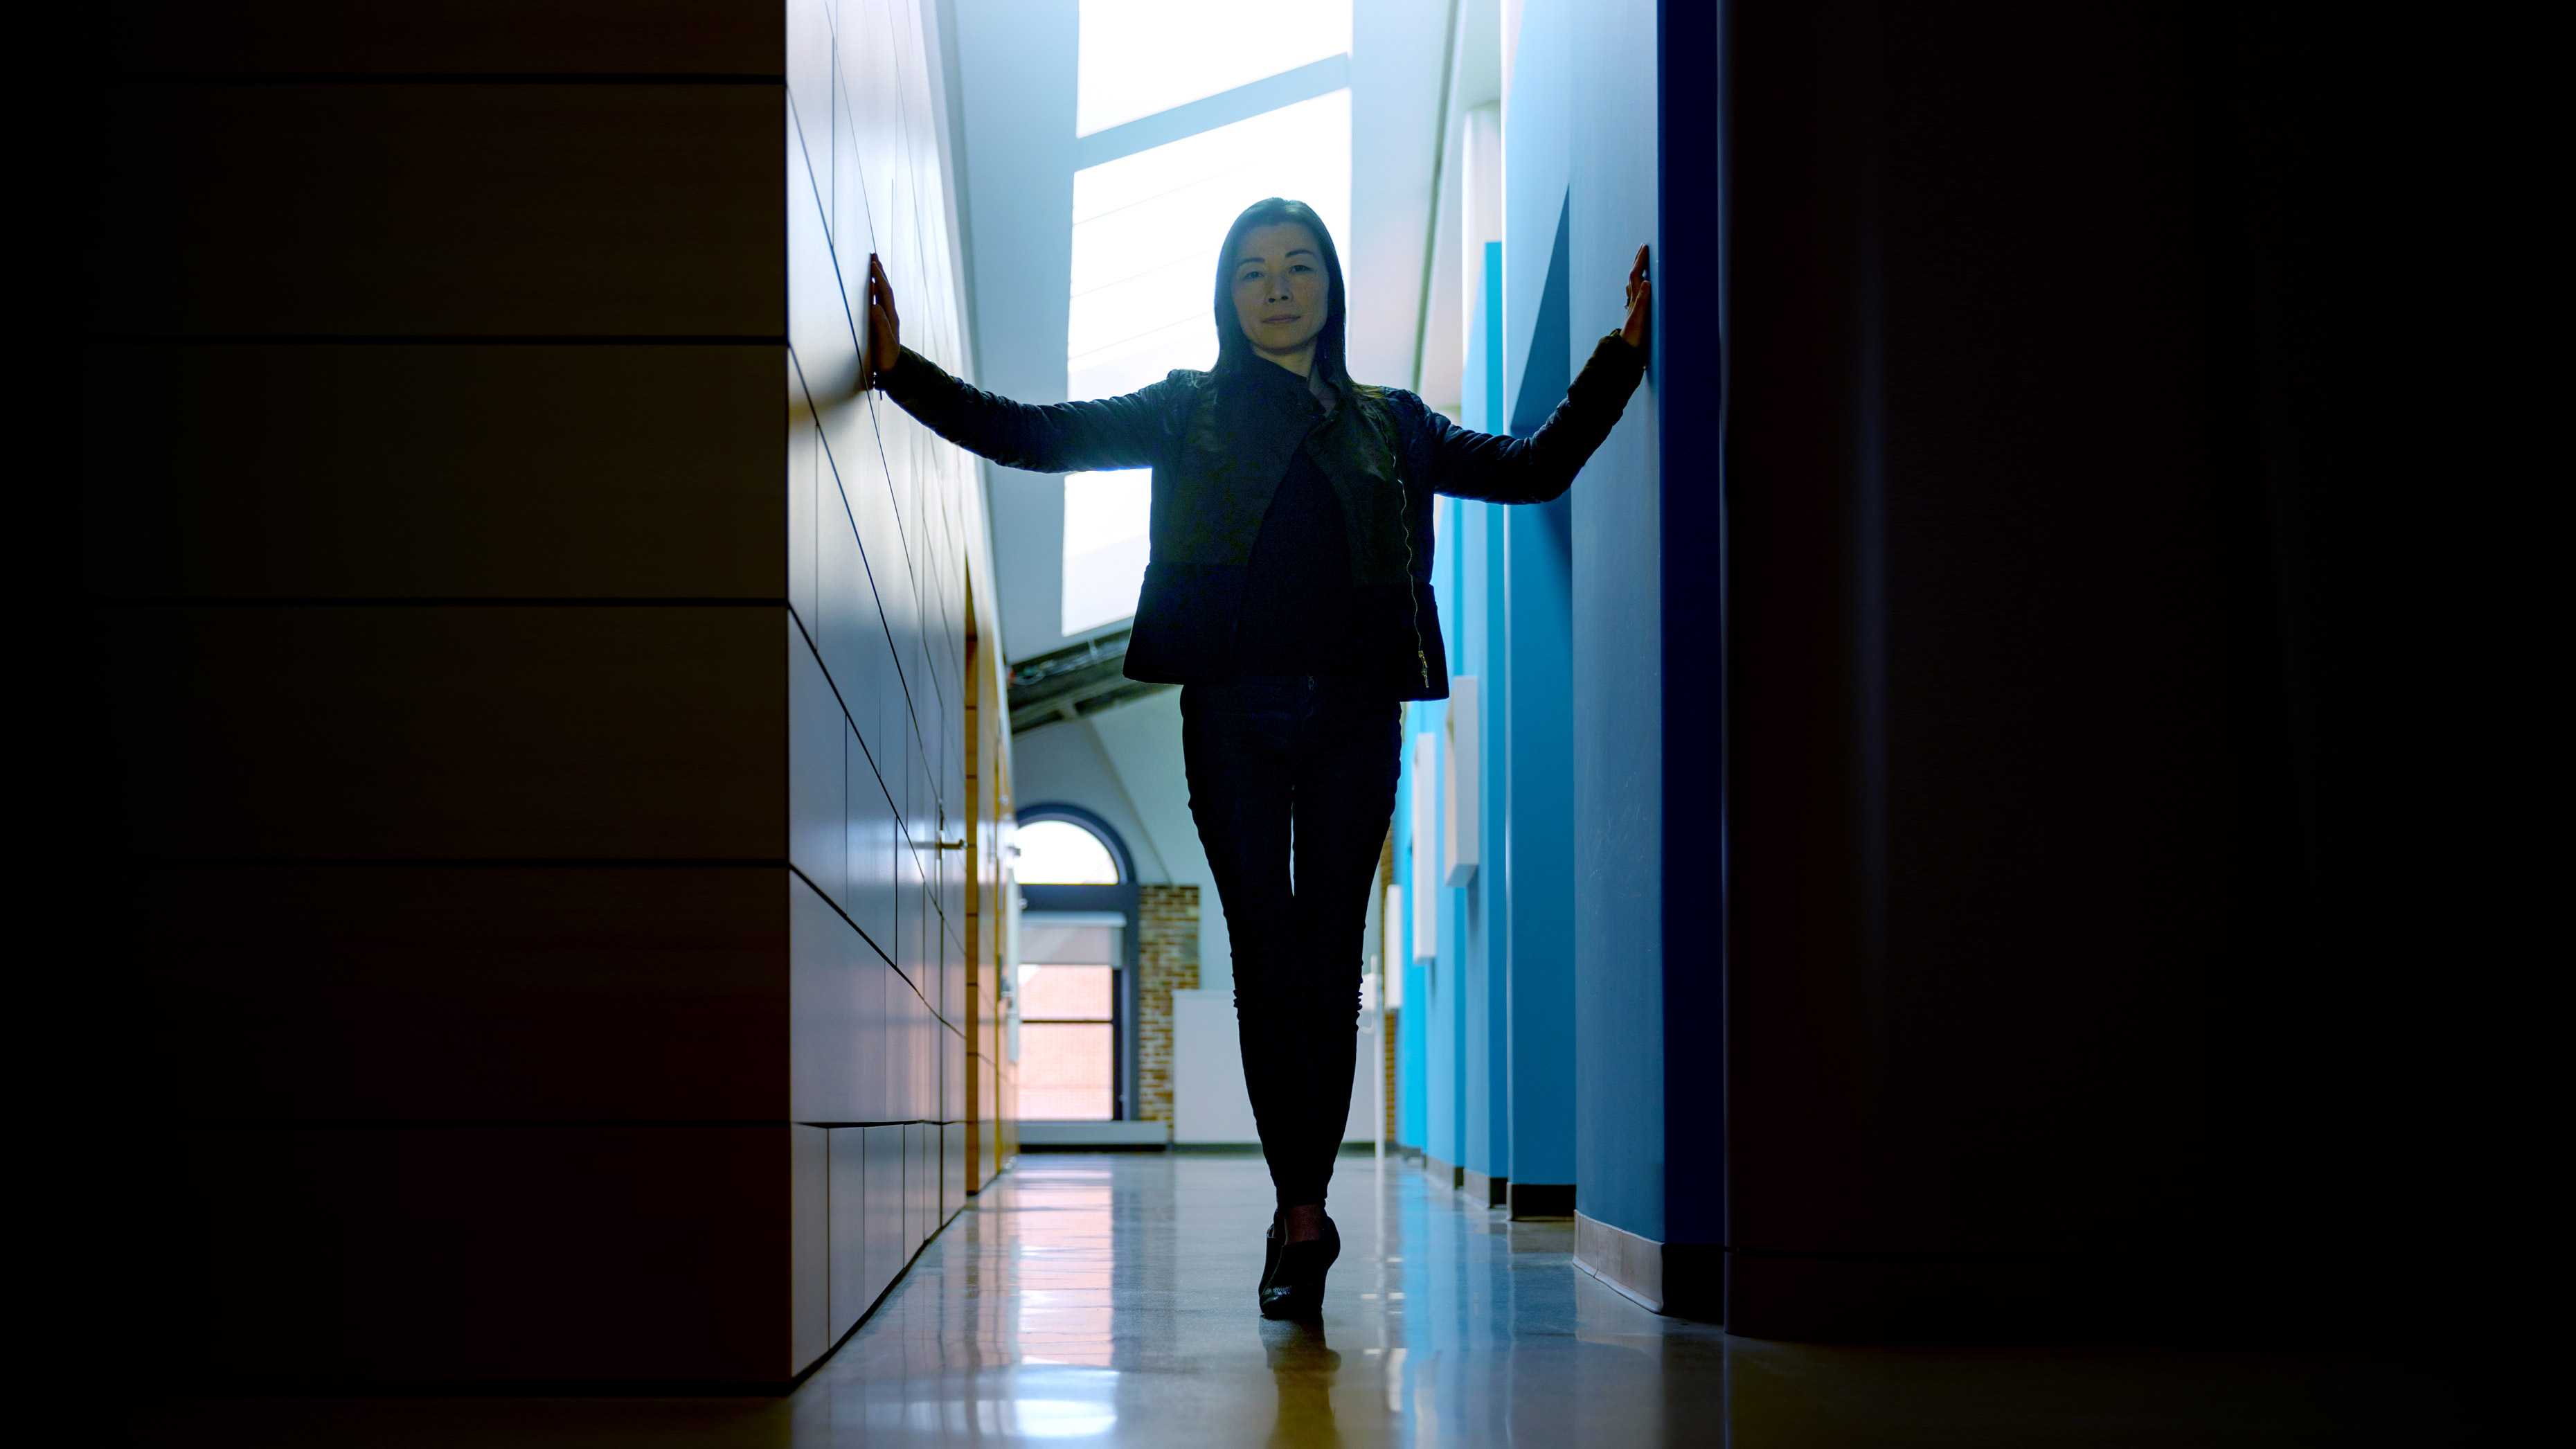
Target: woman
[[1289, 593]]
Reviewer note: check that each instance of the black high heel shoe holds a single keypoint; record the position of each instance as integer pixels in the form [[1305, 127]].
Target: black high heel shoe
[[1292, 1274]]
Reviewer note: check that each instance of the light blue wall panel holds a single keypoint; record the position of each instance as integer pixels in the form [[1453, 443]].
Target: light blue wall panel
[[1607, 68], [1538, 128], [1536, 812], [1483, 903]]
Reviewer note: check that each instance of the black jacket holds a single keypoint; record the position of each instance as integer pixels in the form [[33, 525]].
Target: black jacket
[[1219, 444]]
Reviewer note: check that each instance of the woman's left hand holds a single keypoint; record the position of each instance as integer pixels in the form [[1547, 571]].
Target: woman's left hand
[[1641, 303]]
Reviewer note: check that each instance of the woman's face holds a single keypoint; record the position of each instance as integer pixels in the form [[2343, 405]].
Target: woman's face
[[1280, 294]]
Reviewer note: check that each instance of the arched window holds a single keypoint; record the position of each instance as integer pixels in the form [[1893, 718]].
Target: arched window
[[1073, 976], [1064, 852]]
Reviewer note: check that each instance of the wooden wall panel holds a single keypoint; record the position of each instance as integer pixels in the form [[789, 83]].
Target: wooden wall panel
[[818, 795], [419, 1254], [279, 732], [809, 1296], [885, 1249], [875, 851], [326, 993], [463, 706], [828, 1013], [925, 1195], [805, 472], [405, 38], [600, 211], [851, 1295], [217, 470]]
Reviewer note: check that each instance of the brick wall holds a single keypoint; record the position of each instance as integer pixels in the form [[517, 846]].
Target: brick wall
[[1387, 1128], [1167, 959]]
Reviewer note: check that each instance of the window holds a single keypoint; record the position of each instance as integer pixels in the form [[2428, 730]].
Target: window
[[1146, 226], [1070, 977], [1069, 1016], [1139, 57], [1061, 852]]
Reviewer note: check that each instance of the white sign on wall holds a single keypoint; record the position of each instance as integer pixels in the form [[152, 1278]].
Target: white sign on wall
[[1459, 787]]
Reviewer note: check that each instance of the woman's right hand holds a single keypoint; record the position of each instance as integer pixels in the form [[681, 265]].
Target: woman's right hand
[[885, 329]]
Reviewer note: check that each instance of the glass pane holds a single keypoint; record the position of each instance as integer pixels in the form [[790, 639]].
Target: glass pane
[[1056, 993], [1064, 1073], [1137, 57], [1059, 852], [1043, 943], [1107, 518]]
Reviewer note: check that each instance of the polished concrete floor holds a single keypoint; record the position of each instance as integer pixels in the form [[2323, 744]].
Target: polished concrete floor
[[1107, 1300]]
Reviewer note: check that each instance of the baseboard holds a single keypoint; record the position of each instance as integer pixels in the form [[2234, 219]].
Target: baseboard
[[1441, 1172], [1483, 1191], [1542, 1199], [1044, 1136], [1618, 1257]]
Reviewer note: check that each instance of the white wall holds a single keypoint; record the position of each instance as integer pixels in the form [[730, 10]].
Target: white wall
[[1142, 741], [1209, 1103], [1064, 764]]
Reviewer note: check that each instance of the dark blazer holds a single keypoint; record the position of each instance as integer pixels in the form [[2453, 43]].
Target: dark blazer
[[1219, 444]]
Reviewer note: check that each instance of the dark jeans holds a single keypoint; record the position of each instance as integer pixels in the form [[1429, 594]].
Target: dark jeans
[[1311, 758]]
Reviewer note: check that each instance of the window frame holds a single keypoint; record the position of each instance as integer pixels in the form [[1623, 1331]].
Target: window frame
[[1123, 899]]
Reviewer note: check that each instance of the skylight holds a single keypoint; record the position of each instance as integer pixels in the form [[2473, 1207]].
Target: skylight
[[1146, 227], [1143, 56]]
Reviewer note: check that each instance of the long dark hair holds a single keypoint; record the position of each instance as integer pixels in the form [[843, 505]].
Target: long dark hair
[[1233, 349]]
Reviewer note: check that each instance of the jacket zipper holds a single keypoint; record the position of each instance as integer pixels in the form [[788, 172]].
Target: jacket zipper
[[1404, 505]]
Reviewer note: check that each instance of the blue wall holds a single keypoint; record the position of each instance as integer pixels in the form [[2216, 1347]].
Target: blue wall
[[1626, 1093], [1539, 1049], [1490, 1053]]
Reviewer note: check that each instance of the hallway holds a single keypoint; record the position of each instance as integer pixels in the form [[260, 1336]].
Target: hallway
[[1111, 1295], [1106, 1300]]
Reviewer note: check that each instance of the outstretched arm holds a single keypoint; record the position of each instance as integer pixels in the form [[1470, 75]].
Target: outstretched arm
[[1119, 432], [1537, 468]]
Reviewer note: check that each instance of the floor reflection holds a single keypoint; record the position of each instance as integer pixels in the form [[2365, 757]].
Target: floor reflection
[[1108, 1300], [1303, 1366]]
